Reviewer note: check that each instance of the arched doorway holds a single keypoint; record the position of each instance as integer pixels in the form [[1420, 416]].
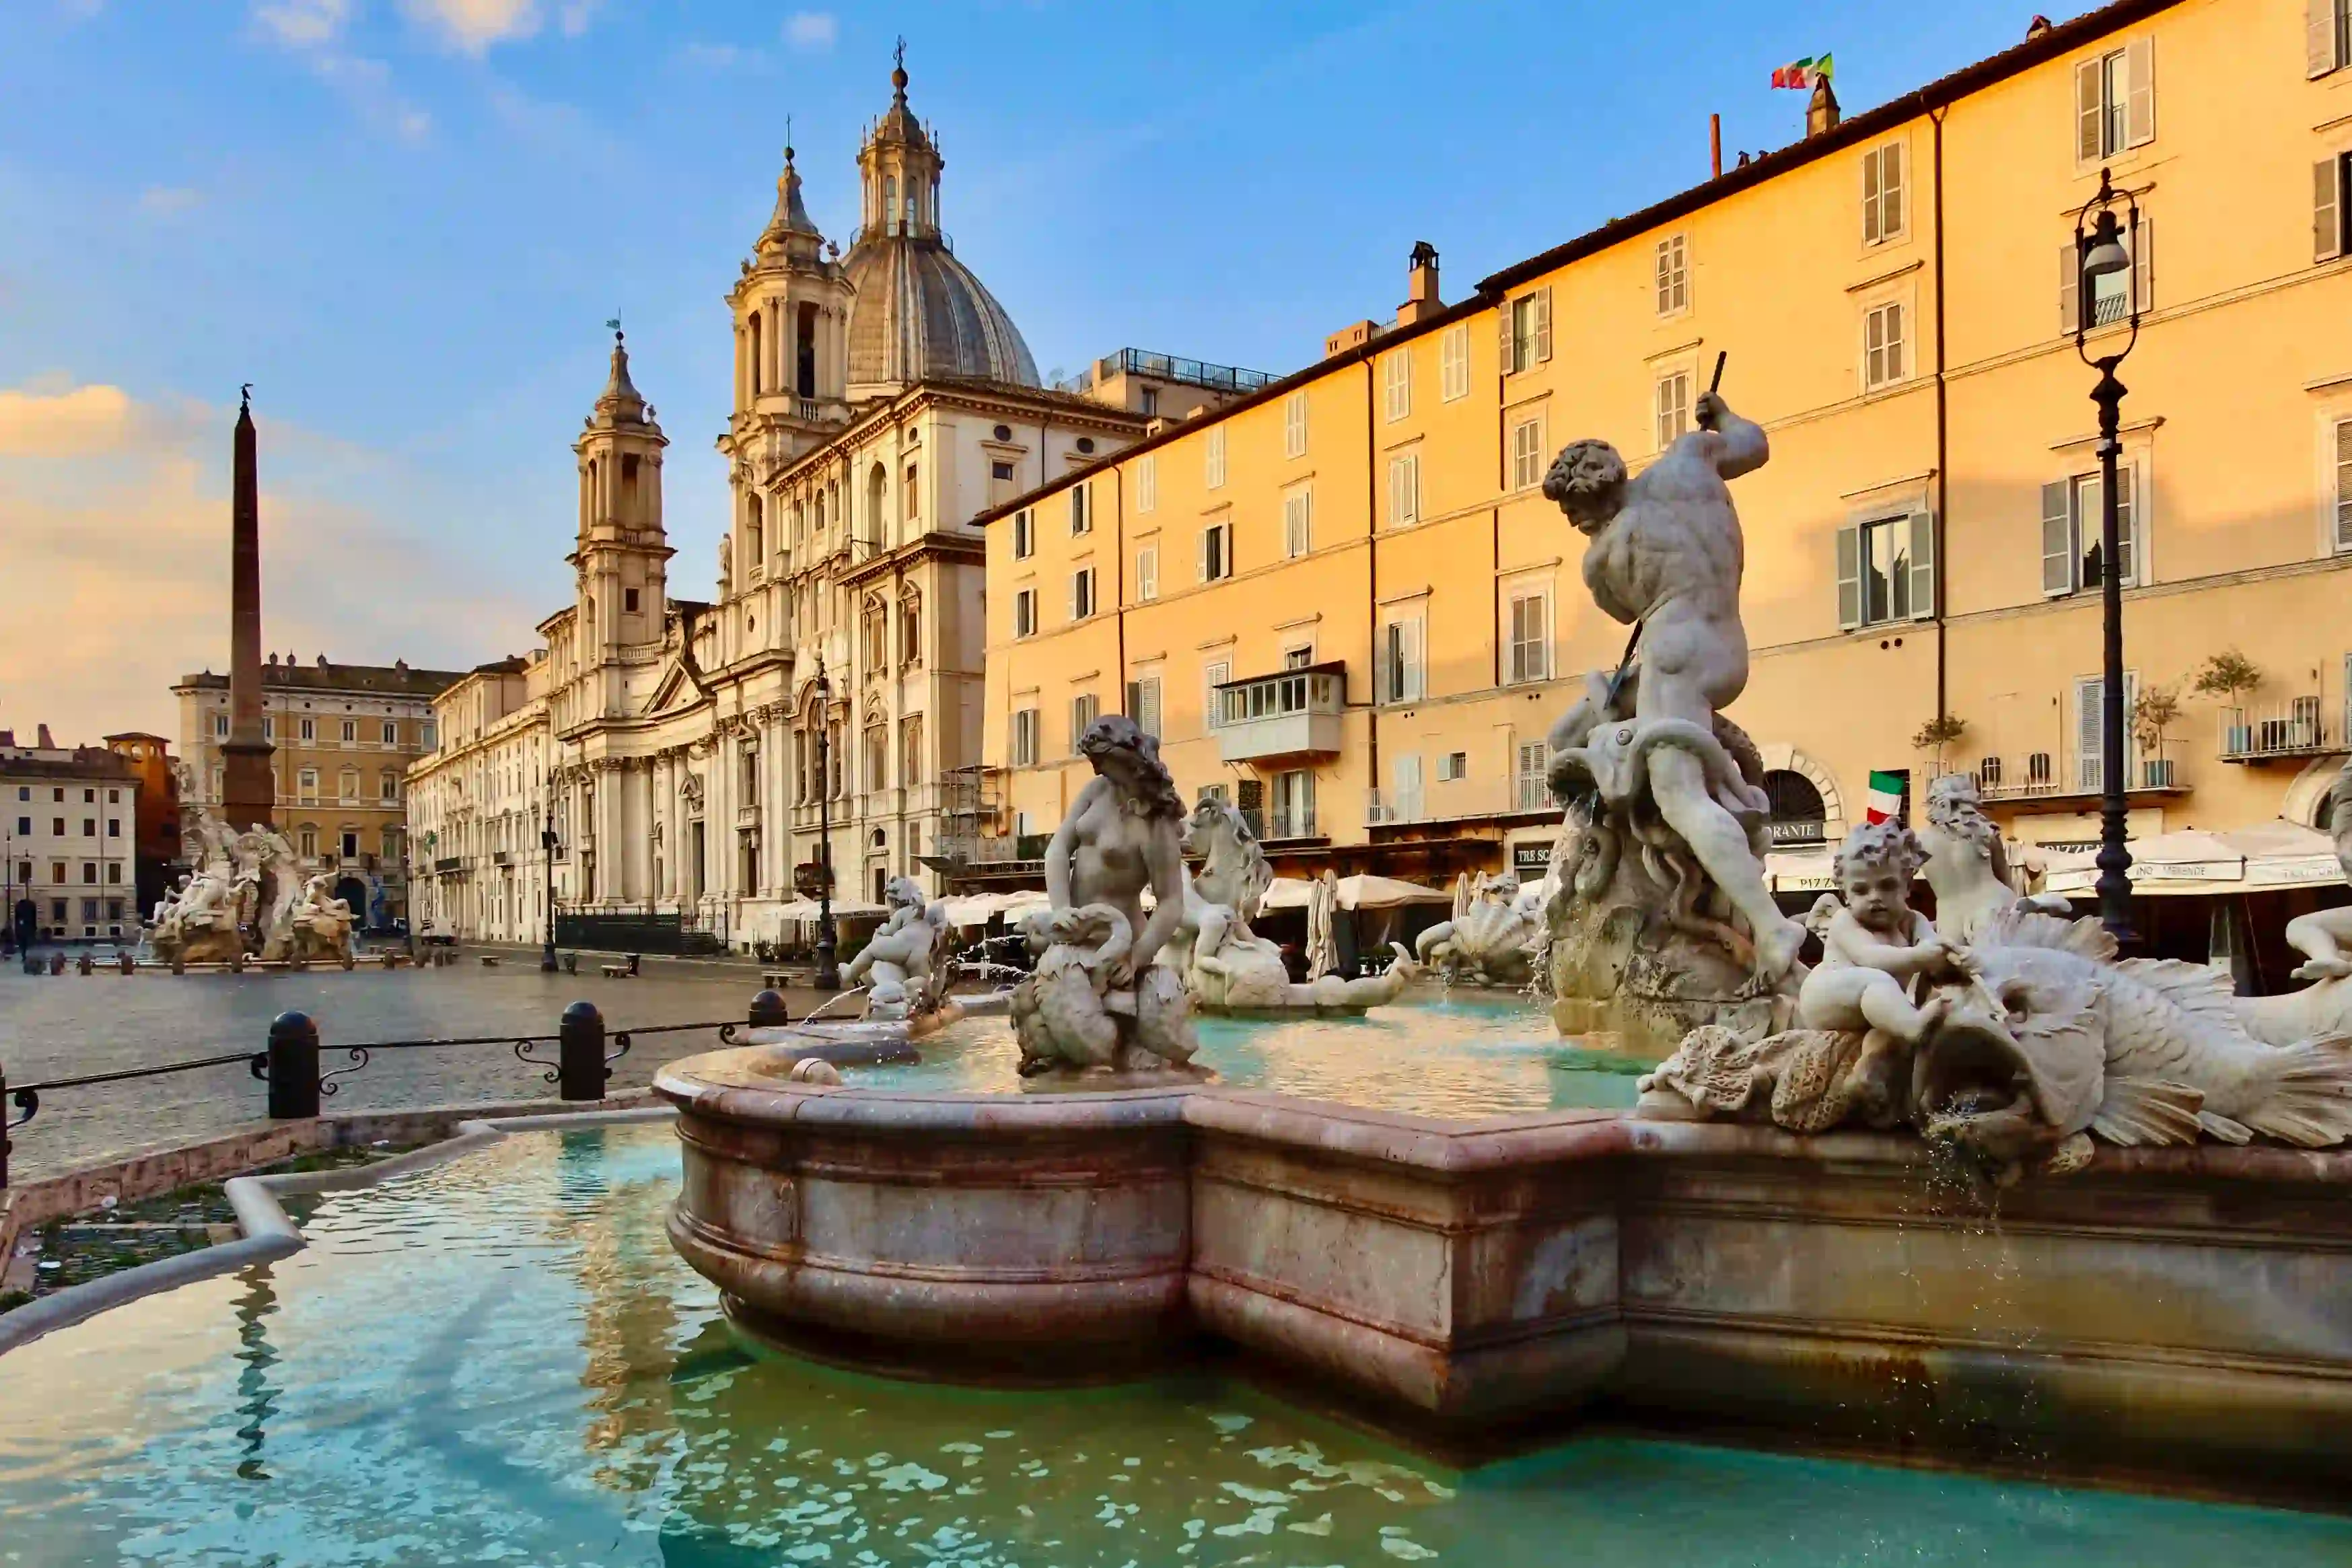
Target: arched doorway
[[1799, 814], [353, 891]]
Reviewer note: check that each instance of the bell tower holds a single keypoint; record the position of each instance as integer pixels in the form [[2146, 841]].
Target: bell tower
[[622, 554]]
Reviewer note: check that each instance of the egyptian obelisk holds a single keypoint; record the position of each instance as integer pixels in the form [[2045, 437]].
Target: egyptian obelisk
[[249, 790]]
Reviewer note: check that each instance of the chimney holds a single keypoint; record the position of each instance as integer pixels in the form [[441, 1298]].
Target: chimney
[[1353, 335], [44, 742], [1821, 112], [1421, 287], [1714, 143]]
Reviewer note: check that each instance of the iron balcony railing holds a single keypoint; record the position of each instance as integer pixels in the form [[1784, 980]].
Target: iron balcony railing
[[1167, 367], [2296, 728]]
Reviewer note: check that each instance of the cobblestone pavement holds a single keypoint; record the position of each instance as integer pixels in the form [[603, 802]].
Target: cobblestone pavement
[[68, 1025]]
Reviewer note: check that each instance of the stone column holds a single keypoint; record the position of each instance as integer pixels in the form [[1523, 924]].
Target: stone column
[[249, 791]]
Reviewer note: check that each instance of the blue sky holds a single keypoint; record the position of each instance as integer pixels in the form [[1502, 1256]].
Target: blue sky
[[405, 221]]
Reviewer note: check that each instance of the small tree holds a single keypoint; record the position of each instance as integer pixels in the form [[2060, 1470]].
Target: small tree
[[1944, 729], [2229, 674], [2153, 714]]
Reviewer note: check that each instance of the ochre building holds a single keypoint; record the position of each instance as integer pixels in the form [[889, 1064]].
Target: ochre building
[[1344, 601]]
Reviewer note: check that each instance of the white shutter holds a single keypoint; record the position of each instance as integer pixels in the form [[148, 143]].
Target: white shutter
[[1383, 661], [1503, 314], [1871, 234], [1890, 185], [2089, 734], [2090, 111], [2327, 209], [2143, 260], [1147, 482], [1416, 677], [1923, 566], [2070, 287], [2344, 495], [1543, 323], [2057, 539], [1074, 595], [2127, 562], [1849, 577], [2318, 37], [1200, 566], [2140, 107]]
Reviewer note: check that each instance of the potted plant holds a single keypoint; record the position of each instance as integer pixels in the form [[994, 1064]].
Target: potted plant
[[2230, 675], [2153, 712], [1944, 729]]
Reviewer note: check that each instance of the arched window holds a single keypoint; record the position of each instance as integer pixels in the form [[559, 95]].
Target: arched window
[[877, 486], [910, 628], [755, 531], [759, 360], [890, 200], [1798, 814], [874, 629], [805, 351]]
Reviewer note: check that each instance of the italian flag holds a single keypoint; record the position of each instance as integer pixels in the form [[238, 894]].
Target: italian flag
[[1802, 74], [1885, 802]]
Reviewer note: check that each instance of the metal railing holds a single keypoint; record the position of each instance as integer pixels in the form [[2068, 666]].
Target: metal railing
[[289, 1062], [1167, 367], [2296, 728]]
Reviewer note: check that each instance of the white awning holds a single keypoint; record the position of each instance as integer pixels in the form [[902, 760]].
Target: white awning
[[2194, 862], [1364, 891]]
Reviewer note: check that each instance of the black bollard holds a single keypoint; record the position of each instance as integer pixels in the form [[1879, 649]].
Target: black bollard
[[580, 1071], [768, 1011], [293, 1067], [4, 1130]]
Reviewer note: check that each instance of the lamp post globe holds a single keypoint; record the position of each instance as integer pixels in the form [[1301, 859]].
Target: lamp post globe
[[2100, 251]]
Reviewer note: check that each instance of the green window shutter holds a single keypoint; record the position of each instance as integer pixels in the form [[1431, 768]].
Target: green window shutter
[[1849, 577], [2057, 539], [1923, 566]]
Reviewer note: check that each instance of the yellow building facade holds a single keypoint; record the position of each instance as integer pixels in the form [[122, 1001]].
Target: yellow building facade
[[1344, 601]]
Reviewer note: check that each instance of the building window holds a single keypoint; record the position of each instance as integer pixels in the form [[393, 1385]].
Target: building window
[[114, 870], [1084, 711], [1082, 593], [911, 750], [2343, 431], [310, 730], [349, 843], [1399, 676], [910, 497], [1025, 613], [114, 828], [351, 732], [2327, 36], [1531, 636], [1299, 658], [1527, 333], [1298, 522], [1529, 787], [1216, 562], [1213, 674], [1527, 453], [874, 629], [2115, 101], [1673, 268], [1080, 522], [1453, 362], [388, 784], [1404, 489], [1025, 538], [1213, 458], [2090, 745], [629, 600], [1293, 426], [307, 782], [1001, 471], [1882, 346], [89, 827], [1882, 194], [2331, 214], [1674, 401], [1147, 482], [269, 727], [1147, 573], [1293, 805], [1143, 703], [1886, 571], [875, 749], [391, 733], [220, 725], [1396, 385], [2073, 532], [910, 628], [1453, 767]]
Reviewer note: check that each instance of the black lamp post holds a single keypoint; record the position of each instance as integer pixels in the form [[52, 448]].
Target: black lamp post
[[828, 972], [547, 855], [2099, 251]]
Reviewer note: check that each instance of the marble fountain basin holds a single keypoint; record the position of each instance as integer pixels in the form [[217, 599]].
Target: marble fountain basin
[[2178, 1315]]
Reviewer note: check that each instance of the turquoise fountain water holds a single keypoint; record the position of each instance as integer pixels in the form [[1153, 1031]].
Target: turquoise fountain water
[[502, 1359]]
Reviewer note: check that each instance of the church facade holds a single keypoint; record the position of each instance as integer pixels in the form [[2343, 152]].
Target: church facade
[[694, 751]]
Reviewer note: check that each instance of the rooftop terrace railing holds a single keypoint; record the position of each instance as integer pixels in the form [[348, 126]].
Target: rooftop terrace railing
[[1167, 367]]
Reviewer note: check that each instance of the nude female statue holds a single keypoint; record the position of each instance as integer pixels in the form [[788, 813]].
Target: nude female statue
[[1665, 552], [1124, 833]]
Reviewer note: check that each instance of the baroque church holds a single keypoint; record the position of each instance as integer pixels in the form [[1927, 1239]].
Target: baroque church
[[689, 750]]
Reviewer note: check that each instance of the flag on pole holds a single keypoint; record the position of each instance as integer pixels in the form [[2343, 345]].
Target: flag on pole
[[1884, 800], [1802, 74]]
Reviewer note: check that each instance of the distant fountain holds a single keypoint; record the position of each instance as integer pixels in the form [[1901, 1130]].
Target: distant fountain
[[246, 899]]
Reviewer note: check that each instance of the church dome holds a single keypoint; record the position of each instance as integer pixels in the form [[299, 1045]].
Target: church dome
[[918, 314]]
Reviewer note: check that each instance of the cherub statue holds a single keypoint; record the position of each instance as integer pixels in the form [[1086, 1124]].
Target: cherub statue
[[1123, 834], [1967, 865], [1872, 950], [904, 961]]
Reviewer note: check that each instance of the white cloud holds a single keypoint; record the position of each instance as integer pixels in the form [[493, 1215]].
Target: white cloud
[[162, 201], [473, 25], [118, 523], [303, 24], [719, 57], [812, 29]]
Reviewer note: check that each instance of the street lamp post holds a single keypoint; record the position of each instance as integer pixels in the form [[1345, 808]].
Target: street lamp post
[[2099, 251], [547, 857], [828, 972]]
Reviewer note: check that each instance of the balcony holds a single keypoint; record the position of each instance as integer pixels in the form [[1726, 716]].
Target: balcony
[[2292, 732], [1166, 367], [1296, 713], [2041, 782]]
